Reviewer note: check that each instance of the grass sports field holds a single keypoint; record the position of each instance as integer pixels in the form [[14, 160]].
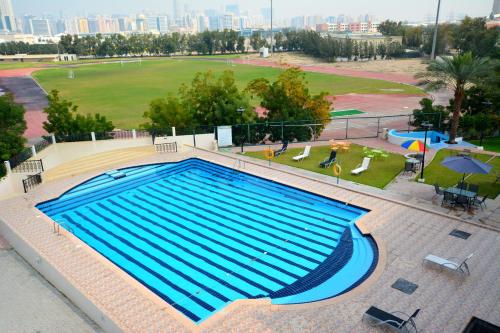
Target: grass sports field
[[123, 92]]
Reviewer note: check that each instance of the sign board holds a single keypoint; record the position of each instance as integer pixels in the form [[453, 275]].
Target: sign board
[[225, 136]]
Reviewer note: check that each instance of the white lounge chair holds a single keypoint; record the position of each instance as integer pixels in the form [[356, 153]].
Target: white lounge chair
[[363, 167], [448, 264], [305, 154]]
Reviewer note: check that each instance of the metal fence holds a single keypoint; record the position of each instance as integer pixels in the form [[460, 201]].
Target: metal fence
[[24, 155], [31, 182], [166, 147], [29, 166], [337, 128]]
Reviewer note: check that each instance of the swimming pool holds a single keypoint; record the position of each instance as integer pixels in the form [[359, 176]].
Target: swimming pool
[[200, 235]]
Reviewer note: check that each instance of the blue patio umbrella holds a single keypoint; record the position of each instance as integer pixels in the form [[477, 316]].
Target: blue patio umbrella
[[466, 164]]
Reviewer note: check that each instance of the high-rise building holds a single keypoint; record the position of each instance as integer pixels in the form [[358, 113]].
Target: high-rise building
[[27, 24], [234, 9], [40, 27], [163, 24], [298, 22], [266, 13], [7, 20], [83, 26], [177, 9], [93, 25], [152, 24], [496, 7], [227, 21], [202, 23]]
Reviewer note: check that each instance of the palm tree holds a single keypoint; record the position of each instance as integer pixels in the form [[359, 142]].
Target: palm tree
[[457, 73]]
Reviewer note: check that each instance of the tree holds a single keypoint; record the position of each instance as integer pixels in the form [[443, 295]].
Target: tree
[[63, 120], [437, 115], [256, 41], [241, 44], [165, 113], [12, 127], [391, 28], [456, 73], [472, 35], [214, 101], [288, 100]]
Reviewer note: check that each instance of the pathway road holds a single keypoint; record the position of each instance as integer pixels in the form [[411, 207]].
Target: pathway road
[[27, 92], [28, 303]]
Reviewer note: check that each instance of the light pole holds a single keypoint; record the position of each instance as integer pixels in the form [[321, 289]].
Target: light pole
[[272, 34], [240, 111], [434, 40], [427, 127]]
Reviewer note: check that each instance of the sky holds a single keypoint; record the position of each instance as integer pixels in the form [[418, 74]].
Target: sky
[[411, 10]]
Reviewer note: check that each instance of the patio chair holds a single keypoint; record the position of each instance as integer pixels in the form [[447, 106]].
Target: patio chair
[[439, 191], [463, 201], [480, 202], [473, 188], [329, 161], [377, 317], [282, 149], [459, 267], [345, 147], [409, 167], [448, 199], [307, 151]]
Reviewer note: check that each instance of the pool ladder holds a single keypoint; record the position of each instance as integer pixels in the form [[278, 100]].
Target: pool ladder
[[56, 227], [239, 164]]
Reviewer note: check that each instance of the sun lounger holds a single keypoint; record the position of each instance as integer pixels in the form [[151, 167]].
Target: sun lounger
[[305, 154], [377, 317], [282, 149], [363, 167], [329, 161], [448, 264]]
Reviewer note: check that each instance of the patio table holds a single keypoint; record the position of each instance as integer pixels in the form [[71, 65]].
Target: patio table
[[457, 191], [416, 163]]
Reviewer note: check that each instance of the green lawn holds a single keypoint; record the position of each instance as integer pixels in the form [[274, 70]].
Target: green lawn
[[123, 93], [343, 113], [379, 174], [489, 144], [436, 173]]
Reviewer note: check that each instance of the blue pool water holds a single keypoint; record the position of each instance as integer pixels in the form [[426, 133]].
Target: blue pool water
[[200, 235]]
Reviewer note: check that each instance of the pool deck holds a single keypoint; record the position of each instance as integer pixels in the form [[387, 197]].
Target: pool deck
[[406, 234]]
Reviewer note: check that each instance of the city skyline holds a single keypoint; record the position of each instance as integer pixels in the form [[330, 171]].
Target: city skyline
[[392, 9]]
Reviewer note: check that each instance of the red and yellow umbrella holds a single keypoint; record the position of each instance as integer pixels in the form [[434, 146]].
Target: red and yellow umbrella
[[415, 145]]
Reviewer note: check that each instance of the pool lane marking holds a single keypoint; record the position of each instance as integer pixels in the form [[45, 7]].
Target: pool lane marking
[[281, 226], [146, 269], [205, 218], [241, 253], [180, 245], [228, 200], [166, 252], [213, 238]]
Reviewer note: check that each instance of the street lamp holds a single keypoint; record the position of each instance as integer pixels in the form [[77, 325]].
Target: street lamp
[[434, 40], [272, 35], [427, 126], [240, 111]]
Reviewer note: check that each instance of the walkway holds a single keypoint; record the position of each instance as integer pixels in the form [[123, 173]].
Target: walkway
[[27, 92], [28, 303]]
